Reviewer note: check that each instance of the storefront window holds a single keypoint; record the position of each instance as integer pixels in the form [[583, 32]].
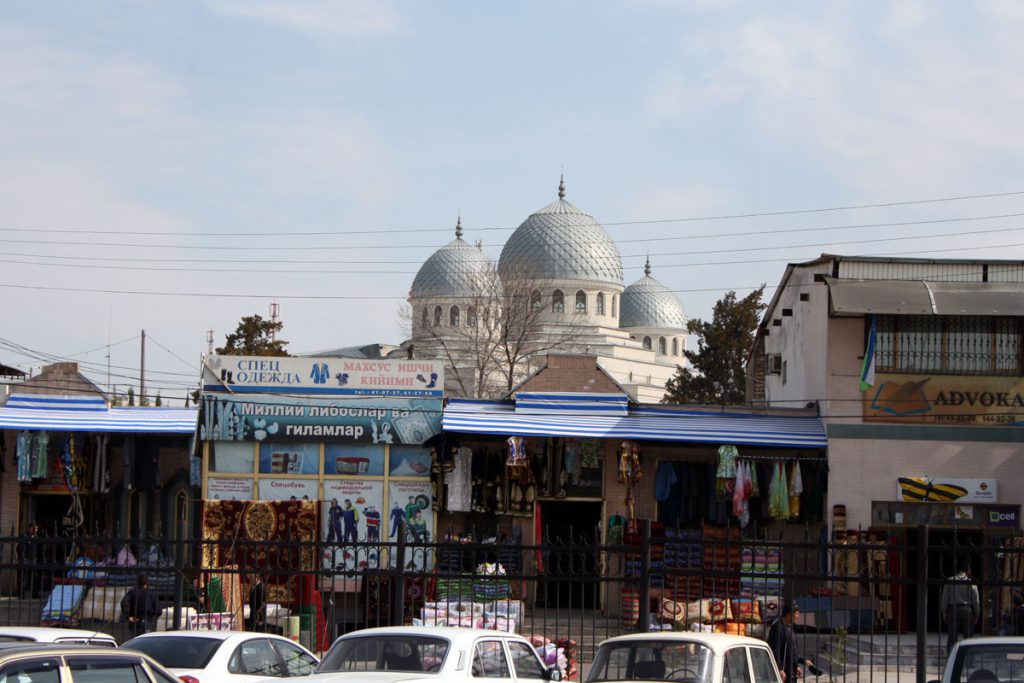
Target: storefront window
[[289, 458], [354, 459], [409, 461], [236, 457]]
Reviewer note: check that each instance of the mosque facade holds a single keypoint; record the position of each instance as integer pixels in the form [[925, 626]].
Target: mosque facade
[[569, 267]]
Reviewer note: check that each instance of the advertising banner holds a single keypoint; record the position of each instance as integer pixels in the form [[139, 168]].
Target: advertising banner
[[352, 512], [410, 502], [1004, 515], [279, 418], [945, 399], [288, 489], [947, 490], [323, 376], [229, 488]]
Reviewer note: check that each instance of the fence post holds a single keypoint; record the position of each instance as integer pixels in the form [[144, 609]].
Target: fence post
[[398, 580], [922, 601], [644, 623], [179, 569]]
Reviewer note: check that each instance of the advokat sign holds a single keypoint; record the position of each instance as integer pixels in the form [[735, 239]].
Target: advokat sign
[[282, 418]]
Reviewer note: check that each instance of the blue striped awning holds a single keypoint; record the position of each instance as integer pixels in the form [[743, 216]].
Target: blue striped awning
[[577, 403], [642, 424], [80, 414]]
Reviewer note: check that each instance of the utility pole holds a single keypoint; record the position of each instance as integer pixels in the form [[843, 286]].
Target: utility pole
[[142, 371], [275, 312]]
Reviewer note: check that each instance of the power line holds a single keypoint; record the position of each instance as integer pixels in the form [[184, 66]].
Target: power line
[[407, 272], [685, 219], [323, 247]]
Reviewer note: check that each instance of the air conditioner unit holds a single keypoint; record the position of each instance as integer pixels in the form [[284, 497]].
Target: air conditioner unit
[[774, 366]]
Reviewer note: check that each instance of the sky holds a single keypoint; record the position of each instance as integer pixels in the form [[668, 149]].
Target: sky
[[174, 166]]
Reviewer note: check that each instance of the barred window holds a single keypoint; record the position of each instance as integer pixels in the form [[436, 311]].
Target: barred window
[[954, 345]]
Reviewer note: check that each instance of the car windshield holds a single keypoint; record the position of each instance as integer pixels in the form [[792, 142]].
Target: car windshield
[[397, 652], [989, 664], [177, 652], [652, 660]]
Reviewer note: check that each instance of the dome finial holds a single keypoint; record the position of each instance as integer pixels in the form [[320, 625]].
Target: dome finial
[[458, 227], [647, 266], [561, 187]]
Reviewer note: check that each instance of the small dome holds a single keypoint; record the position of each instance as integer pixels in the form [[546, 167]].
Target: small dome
[[648, 303], [560, 242], [458, 269]]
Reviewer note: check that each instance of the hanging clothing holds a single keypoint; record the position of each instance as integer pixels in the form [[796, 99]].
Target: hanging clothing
[[41, 455], [664, 480], [24, 456], [796, 487], [128, 461], [725, 475], [755, 487], [778, 494], [459, 480]]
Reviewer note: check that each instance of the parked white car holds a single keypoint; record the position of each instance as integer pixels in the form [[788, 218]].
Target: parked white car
[[685, 657], [430, 654], [47, 634], [986, 660], [225, 656]]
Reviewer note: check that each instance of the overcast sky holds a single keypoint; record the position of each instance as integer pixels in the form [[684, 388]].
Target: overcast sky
[[161, 161]]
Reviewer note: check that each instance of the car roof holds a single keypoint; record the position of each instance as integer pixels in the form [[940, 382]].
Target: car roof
[[12, 649], [452, 633], [216, 635], [715, 641], [51, 632], [992, 640]]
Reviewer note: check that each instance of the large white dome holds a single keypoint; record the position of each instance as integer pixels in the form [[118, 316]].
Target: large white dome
[[649, 304], [560, 242], [458, 269]]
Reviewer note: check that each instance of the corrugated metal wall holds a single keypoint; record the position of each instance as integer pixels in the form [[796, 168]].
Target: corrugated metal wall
[[937, 272]]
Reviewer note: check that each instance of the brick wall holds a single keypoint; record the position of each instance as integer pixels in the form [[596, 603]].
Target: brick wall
[[572, 373], [62, 379]]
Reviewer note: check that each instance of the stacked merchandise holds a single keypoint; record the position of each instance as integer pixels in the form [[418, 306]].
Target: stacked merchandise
[[761, 571], [684, 552], [490, 583], [500, 615], [722, 561]]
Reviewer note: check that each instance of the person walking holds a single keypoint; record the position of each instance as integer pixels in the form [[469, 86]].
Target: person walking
[[140, 607], [782, 641], [257, 605], [960, 603]]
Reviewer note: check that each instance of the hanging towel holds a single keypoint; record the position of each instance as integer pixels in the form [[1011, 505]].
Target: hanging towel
[[796, 487]]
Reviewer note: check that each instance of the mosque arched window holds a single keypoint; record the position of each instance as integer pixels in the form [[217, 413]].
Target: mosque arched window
[[535, 300], [426, 316], [600, 303], [438, 316], [647, 343], [615, 305], [675, 346], [453, 317], [558, 301], [471, 316], [662, 346], [581, 301]]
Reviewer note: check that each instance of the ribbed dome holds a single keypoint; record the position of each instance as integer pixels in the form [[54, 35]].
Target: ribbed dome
[[560, 242], [458, 269], [648, 303]]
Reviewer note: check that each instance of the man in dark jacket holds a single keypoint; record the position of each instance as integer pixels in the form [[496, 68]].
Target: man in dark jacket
[[959, 603], [782, 641], [140, 607]]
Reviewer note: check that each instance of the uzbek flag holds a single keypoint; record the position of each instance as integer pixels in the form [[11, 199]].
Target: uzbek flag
[[867, 371]]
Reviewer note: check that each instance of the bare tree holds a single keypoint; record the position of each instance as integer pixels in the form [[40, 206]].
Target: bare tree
[[490, 340]]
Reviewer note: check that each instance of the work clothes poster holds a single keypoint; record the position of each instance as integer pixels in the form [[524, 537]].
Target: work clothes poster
[[351, 516]]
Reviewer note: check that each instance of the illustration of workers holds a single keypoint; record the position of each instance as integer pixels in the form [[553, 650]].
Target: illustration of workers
[[350, 516], [334, 522], [397, 517], [372, 515]]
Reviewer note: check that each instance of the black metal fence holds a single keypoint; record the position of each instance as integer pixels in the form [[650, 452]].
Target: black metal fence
[[870, 603]]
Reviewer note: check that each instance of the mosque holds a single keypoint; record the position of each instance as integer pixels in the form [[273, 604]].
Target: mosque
[[571, 269]]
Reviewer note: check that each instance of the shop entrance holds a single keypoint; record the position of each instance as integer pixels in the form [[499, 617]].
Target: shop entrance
[[570, 533], [944, 548]]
